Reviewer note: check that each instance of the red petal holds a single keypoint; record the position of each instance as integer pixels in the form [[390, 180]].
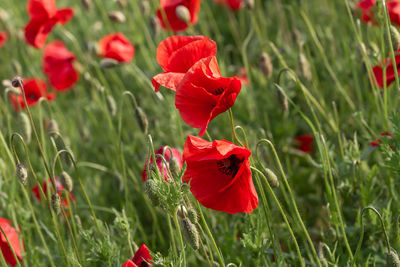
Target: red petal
[[41, 9], [116, 46], [129, 263], [64, 15], [36, 32], [3, 38], [12, 237], [167, 79], [142, 256]]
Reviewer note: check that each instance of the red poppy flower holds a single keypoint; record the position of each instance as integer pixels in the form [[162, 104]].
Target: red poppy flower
[[116, 46], [242, 75], [3, 38], [177, 54], [163, 169], [219, 175], [44, 16], [167, 11], [367, 10], [390, 75], [378, 141], [12, 236], [232, 4], [60, 189], [34, 90], [203, 94], [141, 258], [305, 142], [58, 66]]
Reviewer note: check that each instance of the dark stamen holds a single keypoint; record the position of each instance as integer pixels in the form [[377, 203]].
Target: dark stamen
[[229, 166]]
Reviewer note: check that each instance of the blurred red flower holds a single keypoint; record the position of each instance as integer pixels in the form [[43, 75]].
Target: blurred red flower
[[3, 38], [60, 188], [219, 175], [141, 258], [167, 13], [58, 66], [177, 54], [12, 236], [116, 46], [203, 94], [34, 90], [305, 142], [390, 75], [44, 15], [367, 10], [162, 168], [242, 75], [378, 141], [232, 4]]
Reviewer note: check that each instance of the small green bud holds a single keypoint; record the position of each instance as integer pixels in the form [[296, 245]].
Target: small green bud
[[182, 212], [145, 7], [25, 126], [108, 63], [22, 173], [52, 128], [117, 16], [191, 233], [192, 215], [395, 36], [152, 189], [56, 203], [67, 180], [265, 65], [304, 67], [248, 4], [282, 100], [87, 4], [392, 259], [142, 120], [271, 177], [111, 105], [174, 166]]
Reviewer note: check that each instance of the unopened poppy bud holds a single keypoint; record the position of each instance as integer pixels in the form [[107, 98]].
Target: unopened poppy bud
[[142, 120], [271, 177], [67, 181], [192, 215], [108, 63], [392, 259], [4, 17], [174, 166], [16, 81], [266, 65], [248, 4], [183, 13], [121, 3], [111, 105], [395, 36], [56, 203], [66, 157], [52, 128], [16, 67], [282, 100], [304, 67], [22, 173], [151, 188], [117, 16], [155, 25], [78, 220], [87, 4], [191, 233], [145, 7], [182, 212], [25, 126]]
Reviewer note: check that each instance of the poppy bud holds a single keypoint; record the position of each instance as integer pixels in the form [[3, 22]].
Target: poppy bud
[[52, 128], [66, 158], [174, 166], [392, 259], [182, 212], [67, 180], [155, 25], [151, 188], [108, 63], [191, 233], [395, 36], [16, 67], [304, 67], [16, 81], [87, 4], [183, 13], [248, 4], [78, 220], [56, 203], [121, 3], [22, 173], [111, 105], [145, 7], [272, 179], [4, 16], [142, 120], [25, 126], [265, 65], [321, 255], [282, 100], [192, 215], [117, 16]]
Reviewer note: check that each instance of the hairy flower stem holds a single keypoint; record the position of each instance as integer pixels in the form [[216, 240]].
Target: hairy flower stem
[[178, 228], [235, 139], [171, 229]]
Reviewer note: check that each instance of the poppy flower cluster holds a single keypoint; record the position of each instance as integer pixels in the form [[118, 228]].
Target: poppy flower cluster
[[378, 141], [367, 8], [142, 258], [167, 13], [12, 235], [59, 187], [116, 46], [232, 4], [386, 69], [44, 15], [3, 38], [191, 69]]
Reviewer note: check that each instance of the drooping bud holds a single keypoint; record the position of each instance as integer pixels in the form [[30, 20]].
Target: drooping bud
[[111, 105], [155, 25], [87, 4], [67, 181], [108, 63], [142, 119], [304, 67], [66, 158], [191, 233], [151, 188], [271, 177], [183, 13], [56, 203], [282, 100], [16, 81], [265, 65], [145, 7], [192, 215], [174, 166], [392, 259], [22, 173], [395, 36], [182, 212], [117, 16], [248, 4], [52, 127], [121, 3], [25, 126]]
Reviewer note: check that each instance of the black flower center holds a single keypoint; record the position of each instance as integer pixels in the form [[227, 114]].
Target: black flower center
[[218, 91], [230, 165], [32, 96]]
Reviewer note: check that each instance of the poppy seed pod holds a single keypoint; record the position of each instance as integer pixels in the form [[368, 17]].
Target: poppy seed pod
[[192, 215], [183, 13], [191, 233], [25, 126], [87, 4], [117, 16], [108, 63], [56, 203], [395, 36], [22, 173], [111, 105], [304, 67], [392, 259], [142, 119], [67, 180], [265, 65], [151, 188], [16, 81], [271, 177]]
